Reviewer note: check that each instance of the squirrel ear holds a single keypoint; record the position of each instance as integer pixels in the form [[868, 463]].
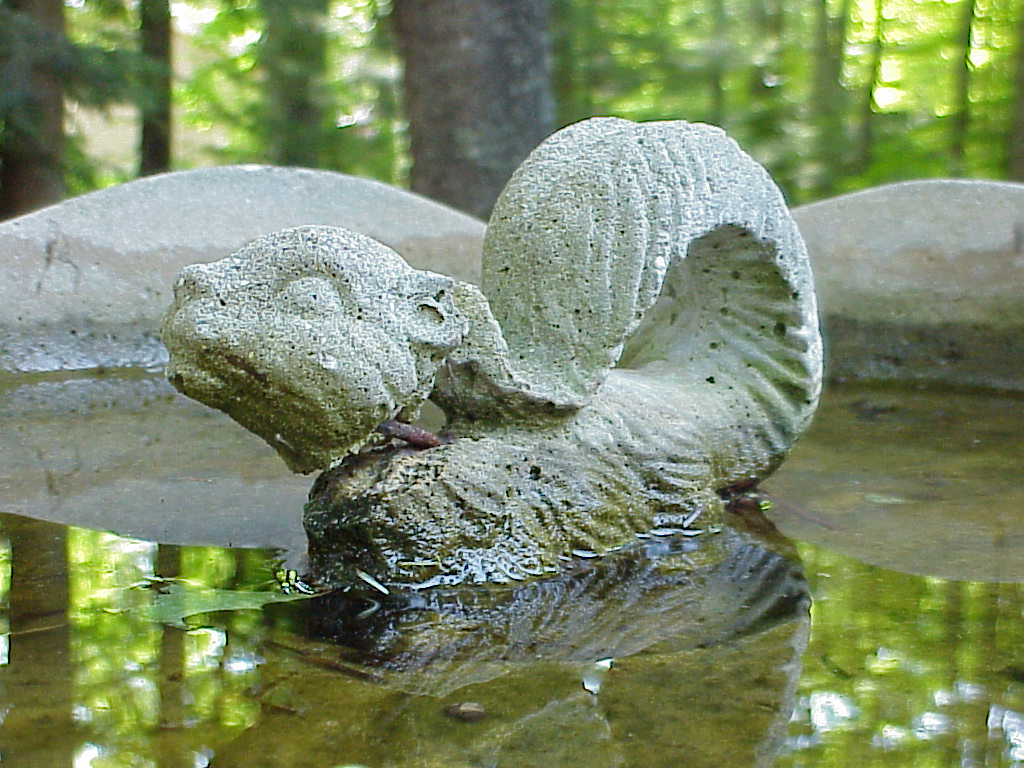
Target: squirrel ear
[[433, 319]]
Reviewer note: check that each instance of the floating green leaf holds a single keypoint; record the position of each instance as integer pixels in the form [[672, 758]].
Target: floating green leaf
[[178, 599]]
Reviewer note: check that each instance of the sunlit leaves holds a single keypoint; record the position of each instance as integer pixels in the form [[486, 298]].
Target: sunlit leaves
[[351, 124], [831, 95], [657, 60]]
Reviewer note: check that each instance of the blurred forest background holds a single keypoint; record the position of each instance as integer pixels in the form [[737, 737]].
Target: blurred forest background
[[447, 96]]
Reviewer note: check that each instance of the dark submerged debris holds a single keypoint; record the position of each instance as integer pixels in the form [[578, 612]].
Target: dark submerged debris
[[467, 711]]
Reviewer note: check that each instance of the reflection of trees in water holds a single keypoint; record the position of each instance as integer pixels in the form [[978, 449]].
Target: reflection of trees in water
[[5, 594], [37, 712], [718, 632], [903, 669], [115, 651], [700, 644], [140, 689]]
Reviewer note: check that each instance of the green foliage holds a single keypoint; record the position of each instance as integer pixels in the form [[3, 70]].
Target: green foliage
[[25, 47], [178, 600], [97, 64], [831, 95], [353, 99], [794, 82], [222, 91]]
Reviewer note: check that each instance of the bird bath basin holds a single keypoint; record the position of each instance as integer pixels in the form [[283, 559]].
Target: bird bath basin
[[907, 544], [141, 621]]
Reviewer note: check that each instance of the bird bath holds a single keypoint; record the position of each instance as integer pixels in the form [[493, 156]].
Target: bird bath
[[140, 535], [911, 555]]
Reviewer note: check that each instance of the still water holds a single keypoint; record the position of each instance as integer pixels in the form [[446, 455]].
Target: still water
[[119, 651]]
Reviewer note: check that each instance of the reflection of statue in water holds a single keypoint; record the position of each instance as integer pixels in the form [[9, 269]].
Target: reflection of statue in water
[[648, 657], [646, 336]]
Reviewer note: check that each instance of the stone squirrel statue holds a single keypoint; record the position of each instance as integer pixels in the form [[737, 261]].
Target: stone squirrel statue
[[645, 337]]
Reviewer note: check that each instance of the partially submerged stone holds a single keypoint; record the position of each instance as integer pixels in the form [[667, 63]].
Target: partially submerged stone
[[662, 632], [672, 593], [921, 281], [87, 281], [645, 338]]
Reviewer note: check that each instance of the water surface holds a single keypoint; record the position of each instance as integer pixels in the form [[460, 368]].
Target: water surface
[[111, 652]]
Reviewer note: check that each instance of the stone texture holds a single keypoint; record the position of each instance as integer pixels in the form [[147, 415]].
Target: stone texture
[[125, 453], [674, 593], [310, 337], [660, 247], [921, 281], [87, 281]]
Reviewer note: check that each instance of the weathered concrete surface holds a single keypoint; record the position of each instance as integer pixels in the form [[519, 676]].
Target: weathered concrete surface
[[661, 247], [86, 282], [310, 337], [922, 281], [125, 453], [916, 281]]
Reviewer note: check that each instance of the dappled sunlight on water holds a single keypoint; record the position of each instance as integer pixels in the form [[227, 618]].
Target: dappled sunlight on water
[[95, 679], [900, 670], [906, 670]]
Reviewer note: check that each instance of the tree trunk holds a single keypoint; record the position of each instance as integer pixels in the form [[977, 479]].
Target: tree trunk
[[768, 113], [832, 140], [821, 106], [38, 695], [867, 121], [294, 60], [1015, 151], [575, 39], [719, 52], [155, 34], [32, 139], [962, 116], [477, 93]]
